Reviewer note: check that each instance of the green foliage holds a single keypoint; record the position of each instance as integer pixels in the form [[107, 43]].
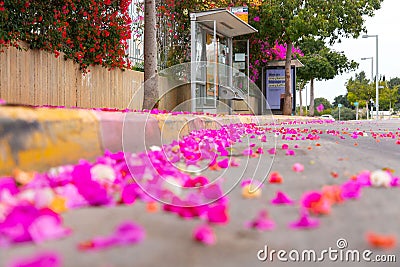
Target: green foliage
[[320, 62], [388, 97], [360, 90], [345, 114], [291, 20], [341, 99]]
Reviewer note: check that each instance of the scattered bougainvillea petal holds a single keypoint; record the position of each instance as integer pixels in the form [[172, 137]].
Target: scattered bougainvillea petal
[[297, 167], [275, 178], [204, 234], [47, 227], [351, 190], [381, 241], [281, 199], [127, 233], [304, 222], [261, 222], [272, 151], [42, 259], [218, 214]]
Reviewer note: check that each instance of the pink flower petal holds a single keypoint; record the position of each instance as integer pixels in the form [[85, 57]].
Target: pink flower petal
[[248, 152], [127, 233], [351, 190], [290, 152], [285, 146], [281, 199], [304, 222], [47, 227], [309, 198], [212, 191], [271, 151], [224, 163], [363, 178], [395, 182], [47, 259], [297, 167], [218, 214], [204, 234], [261, 222]]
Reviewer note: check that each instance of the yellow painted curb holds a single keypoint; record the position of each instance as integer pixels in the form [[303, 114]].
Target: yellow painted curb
[[34, 139]]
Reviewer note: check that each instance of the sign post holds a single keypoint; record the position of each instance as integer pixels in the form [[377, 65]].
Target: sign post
[[356, 105], [339, 106]]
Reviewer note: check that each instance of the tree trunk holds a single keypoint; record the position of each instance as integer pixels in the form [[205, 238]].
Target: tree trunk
[[311, 111], [301, 101], [287, 107], [150, 99]]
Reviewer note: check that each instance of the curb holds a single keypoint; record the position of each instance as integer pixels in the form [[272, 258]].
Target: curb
[[39, 138], [36, 139]]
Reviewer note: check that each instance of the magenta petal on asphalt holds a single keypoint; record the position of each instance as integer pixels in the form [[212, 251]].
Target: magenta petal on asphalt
[[224, 163], [285, 146], [264, 138], [281, 199], [395, 181], [272, 151], [248, 152], [351, 190], [309, 198], [212, 191], [290, 152], [8, 183], [47, 259], [363, 178], [261, 222], [297, 167], [15, 226], [304, 222], [127, 233], [47, 227], [129, 193], [204, 234], [217, 214]]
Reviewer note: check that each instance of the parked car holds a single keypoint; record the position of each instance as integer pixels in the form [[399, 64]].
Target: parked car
[[327, 117]]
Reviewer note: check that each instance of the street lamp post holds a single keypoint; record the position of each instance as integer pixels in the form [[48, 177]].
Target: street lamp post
[[372, 66], [372, 78], [376, 75]]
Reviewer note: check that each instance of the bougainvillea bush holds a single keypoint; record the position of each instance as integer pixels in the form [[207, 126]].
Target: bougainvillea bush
[[90, 32]]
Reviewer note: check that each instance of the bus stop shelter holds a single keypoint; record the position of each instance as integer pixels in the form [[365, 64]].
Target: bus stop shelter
[[213, 58]]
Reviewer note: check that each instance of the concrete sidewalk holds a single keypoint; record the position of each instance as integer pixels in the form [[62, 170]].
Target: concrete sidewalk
[[35, 139]]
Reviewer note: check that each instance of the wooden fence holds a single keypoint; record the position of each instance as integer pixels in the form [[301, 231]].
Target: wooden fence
[[38, 78]]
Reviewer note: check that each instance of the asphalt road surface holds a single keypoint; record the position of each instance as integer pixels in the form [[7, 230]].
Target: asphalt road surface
[[169, 242]]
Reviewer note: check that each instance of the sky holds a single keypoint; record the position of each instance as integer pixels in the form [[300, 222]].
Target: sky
[[385, 24]]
